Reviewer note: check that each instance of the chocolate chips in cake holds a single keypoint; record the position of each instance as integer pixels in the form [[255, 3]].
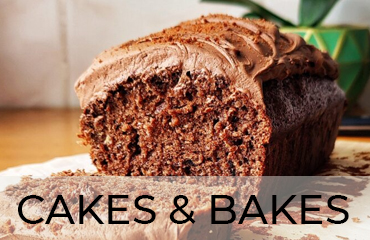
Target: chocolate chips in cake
[[214, 96]]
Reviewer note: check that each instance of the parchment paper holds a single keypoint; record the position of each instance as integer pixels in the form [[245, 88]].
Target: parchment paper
[[348, 159]]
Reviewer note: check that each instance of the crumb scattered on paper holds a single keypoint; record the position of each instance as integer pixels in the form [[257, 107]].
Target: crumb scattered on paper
[[310, 237], [346, 238], [325, 224]]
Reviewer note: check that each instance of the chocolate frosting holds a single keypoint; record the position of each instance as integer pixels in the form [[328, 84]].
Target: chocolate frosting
[[248, 52]]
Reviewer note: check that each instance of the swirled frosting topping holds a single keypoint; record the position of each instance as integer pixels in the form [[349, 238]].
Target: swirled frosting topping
[[248, 52]]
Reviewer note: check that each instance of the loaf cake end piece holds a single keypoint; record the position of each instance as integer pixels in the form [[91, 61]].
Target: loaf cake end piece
[[213, 96]]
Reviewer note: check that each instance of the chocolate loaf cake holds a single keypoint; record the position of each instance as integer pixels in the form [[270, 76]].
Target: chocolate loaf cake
[[214, 96], [71, 185]]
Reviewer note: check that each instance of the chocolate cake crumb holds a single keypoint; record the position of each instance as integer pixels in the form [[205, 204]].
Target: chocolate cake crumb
[[279, 238], [325, 224], [345, 238], [7, 227], [55, 228], [38, 228], [310, 237], [363, 156]]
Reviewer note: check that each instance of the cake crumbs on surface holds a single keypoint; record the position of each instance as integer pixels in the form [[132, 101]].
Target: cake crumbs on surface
[[39, 228], [280, 238], [55, 228], [356, 220], [362, 156], [310, 237], [51, 186], [7, 227], [325, 224], [364, 153], [341, 237]]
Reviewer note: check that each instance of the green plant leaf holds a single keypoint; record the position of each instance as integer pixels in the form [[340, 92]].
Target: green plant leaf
[[252, 15], [257, 10], [313, 12]]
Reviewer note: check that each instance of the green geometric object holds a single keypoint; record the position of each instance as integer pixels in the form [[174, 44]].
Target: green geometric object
[[349, 52], [348, 73], [350, 47], [358, 84], [302, 34], [313, 40], [330, 39], [362, 40]]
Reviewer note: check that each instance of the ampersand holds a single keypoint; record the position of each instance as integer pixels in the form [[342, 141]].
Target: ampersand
[[180, 208]]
